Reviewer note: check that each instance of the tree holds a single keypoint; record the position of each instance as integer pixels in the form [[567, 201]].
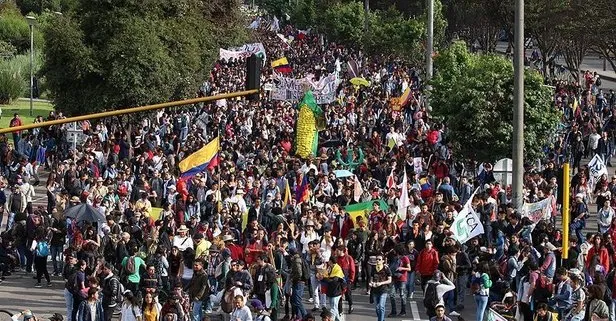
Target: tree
[[604, 37], [343, 23], [474, 95], [541, 17], [14, 29], [129, 53], [478, 21]]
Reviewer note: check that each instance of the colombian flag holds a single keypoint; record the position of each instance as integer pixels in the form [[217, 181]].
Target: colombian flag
[[204, 158], [282, 65]]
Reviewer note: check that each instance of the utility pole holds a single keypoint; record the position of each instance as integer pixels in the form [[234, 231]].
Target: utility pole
[[429, 51], [31, 21], [518, 106]]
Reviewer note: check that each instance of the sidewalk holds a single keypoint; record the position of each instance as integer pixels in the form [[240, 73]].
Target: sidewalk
[[590, 62]]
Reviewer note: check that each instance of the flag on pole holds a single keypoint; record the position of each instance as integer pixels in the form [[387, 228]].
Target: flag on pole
[[282, 65], [390, 180], [467, 224], [404, 198], [287, 194], [204, 158], [357, 190]]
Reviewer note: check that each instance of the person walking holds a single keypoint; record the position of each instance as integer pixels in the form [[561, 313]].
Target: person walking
[[198, 289], [130, 308], [91, 309], [298, 280], [40, 249], [334, 283], [380, 280], [111, 290], [481, 285]]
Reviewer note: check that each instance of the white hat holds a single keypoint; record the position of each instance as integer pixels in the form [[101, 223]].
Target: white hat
[[172, 187], [183, 228], [228, 237], [579, 195]]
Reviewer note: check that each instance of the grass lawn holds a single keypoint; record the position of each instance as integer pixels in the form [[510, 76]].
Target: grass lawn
[[22, 107]]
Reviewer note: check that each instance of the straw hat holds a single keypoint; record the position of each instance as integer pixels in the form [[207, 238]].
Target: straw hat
[[227, 238], [183, 228]]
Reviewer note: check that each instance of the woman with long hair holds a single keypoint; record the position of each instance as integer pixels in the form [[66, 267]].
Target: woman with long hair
[[482, 292], [186, 269], [130, 308], [151, 308], [596, 308]]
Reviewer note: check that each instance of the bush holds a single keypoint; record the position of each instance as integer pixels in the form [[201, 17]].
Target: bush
[[14, 29], [14, 78]]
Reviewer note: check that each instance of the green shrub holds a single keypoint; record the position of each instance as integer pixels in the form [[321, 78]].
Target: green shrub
[[14, 78]]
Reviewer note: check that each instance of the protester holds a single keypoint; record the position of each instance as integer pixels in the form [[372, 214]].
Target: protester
[[252, 218]]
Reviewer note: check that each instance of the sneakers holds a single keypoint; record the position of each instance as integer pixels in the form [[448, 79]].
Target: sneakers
[[315, 309], [351, 309], [411, 295], [454, 314], [311, 300], [402, 314], [38, 285], [208, 311], [48, 284]]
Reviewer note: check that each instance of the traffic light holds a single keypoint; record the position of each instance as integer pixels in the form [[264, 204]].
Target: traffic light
[[253, 76]]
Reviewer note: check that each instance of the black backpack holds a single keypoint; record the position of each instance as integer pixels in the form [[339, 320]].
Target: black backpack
[[431, 296]]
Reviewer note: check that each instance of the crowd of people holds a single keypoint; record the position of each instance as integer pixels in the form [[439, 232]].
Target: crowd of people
[[230, 238]]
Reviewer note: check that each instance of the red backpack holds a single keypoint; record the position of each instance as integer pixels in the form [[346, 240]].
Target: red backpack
[[432, 137]]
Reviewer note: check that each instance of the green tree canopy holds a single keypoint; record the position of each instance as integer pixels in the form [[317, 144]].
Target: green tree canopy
[[14, 29], [113, 54], [474, 95]]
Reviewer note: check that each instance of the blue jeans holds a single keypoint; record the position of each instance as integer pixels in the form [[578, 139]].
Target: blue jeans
[[482, 303], [397, 288], [68, 298], [58, 258], [448, 300], [196, 310], [10, 221], [380, 300], [21, 251], [410, 283], [296, 300], [461, 282], [333, 303]]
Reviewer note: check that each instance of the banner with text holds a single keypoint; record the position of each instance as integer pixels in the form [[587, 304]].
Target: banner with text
[[539, 210], [244, 51], [290, 89]]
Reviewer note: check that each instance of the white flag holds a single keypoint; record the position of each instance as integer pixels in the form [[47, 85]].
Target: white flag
[[467, 224], [596, 167], [357, 190], [404, 198]]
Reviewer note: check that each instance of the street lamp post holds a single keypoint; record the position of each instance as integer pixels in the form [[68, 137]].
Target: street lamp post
[[429, 51], [518, 106], [31, 20]]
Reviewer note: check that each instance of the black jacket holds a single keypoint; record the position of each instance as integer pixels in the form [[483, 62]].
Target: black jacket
[[110, 289]]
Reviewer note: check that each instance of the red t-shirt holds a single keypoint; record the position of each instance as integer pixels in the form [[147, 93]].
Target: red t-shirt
[[404, 262]]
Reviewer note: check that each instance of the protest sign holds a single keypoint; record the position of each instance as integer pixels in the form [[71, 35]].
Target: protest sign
[[539, 210], [290, 89], [244, 51]]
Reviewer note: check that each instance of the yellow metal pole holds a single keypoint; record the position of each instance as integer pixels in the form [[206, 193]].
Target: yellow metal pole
[[129, 111], [565, 212]]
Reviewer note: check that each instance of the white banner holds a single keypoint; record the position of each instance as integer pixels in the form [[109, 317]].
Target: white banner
[[539, 210], [467, 224], [418, 164], [244, 51], [596, 167], [290, 89]]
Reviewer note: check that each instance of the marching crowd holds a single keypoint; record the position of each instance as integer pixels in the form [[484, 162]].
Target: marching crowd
[[160, 246]]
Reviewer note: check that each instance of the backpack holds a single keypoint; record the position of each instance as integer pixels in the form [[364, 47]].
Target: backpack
[[130, 265], [42, 249], [503, 267], [305, 270], [431, 296], [598, 82]]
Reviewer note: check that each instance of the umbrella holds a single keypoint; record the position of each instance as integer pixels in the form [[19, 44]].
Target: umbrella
[[357, 81], [84, 212], [341, 173]]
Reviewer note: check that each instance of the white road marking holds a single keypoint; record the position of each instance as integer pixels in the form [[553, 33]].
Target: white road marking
[[414, 311]]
